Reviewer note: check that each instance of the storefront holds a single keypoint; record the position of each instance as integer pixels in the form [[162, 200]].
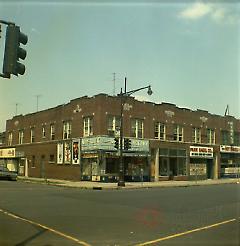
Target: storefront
[[100, 160], [172, 164], [12, 159], [201, 164], [230, 161]]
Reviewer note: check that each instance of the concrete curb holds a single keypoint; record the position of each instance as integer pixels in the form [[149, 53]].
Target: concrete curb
[[113, 186]]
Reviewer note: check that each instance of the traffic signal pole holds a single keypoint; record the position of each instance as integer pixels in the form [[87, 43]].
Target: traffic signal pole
[[123, 98]]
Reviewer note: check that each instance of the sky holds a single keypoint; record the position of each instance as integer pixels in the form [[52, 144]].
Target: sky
[[187, 51]]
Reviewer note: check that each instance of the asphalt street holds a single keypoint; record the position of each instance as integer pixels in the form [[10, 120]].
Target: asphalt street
[[44, 215]]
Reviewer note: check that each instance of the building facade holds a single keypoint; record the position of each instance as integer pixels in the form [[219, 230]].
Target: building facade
[[78, 141]]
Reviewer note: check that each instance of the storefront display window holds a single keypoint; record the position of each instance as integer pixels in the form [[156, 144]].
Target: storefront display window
[[172, 162]]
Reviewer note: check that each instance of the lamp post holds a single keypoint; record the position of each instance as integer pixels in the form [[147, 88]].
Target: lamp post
[[123, 97]]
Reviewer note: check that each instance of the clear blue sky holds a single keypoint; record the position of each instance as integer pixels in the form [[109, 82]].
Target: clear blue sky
[[189, 52]]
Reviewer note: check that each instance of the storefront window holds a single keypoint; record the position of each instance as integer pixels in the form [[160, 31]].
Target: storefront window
[[112, 165], [172, 162], [163, 168]]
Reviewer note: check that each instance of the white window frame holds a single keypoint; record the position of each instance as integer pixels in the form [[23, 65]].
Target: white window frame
[[10, 138], [87, 126], [20, 136], [43, 131], [67, 129], [52, 131], [160, 131], [196, 135], [211, 136], [178, 133], [113, 123], [137, 128], [32, 135]]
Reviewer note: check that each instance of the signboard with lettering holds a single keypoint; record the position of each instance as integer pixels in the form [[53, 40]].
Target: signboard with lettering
[[107, 143], [201, 152], [8, 153], [229, 149]]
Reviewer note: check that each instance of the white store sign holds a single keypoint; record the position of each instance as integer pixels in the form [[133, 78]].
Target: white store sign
[[7, 153], [229, 149], [201, 152]]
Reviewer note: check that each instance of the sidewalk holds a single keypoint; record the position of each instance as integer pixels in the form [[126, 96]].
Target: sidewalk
[[128, 185]]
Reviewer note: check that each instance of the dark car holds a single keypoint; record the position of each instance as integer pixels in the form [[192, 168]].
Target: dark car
[[6, 174]]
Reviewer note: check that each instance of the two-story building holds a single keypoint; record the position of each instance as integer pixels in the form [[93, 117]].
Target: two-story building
[[77, 141]]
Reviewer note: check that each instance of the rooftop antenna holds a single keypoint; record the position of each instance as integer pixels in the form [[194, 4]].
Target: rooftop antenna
[[227, 111], [114, 84], [37, 96]]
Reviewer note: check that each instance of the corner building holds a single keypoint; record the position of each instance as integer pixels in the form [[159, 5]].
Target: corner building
[[77, 141]]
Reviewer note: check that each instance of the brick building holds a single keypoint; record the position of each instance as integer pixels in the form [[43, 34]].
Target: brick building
[[76, 141]]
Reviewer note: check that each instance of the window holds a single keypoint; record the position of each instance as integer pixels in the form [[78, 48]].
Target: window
[[178, 133], [237, 138], [43, 132], [51, 158], [87, 126], [196, 135], [210, 136], [225, 137], [67, 127], [20, 136], [137, 128], [52, 132], [33, 161], [32, 135], [10, 138], [113, 125], [160, 131]]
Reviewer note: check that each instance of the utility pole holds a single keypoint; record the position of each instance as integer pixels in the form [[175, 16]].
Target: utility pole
[[123, 98]]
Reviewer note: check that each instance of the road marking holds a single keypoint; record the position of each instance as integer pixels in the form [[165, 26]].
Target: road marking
[[45, 227], [186, 232]]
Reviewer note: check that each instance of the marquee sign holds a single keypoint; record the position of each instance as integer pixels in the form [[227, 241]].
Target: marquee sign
[[201, 151]]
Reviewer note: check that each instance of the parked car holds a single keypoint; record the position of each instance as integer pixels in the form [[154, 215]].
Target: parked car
[[6, 174]]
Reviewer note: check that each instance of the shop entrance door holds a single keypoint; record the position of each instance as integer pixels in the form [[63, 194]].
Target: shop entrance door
[[209, 169], [173, 167]]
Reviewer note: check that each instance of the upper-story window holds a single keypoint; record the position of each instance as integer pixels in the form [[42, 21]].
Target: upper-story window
[[20, 136], [237, 138], [210, 136], [87, 126], [52, 132], [178, 133], [32, 135], [225, 137], [196, 135], [160, 131], [10, 138], [137, 128], [67, 129], [44, 132], [113, 125]]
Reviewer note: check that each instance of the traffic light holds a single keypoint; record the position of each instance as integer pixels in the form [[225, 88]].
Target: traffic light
[[116, 144], [127, 143], [13, 51]]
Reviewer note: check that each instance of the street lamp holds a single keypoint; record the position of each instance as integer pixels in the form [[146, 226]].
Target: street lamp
[[123, 97]]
